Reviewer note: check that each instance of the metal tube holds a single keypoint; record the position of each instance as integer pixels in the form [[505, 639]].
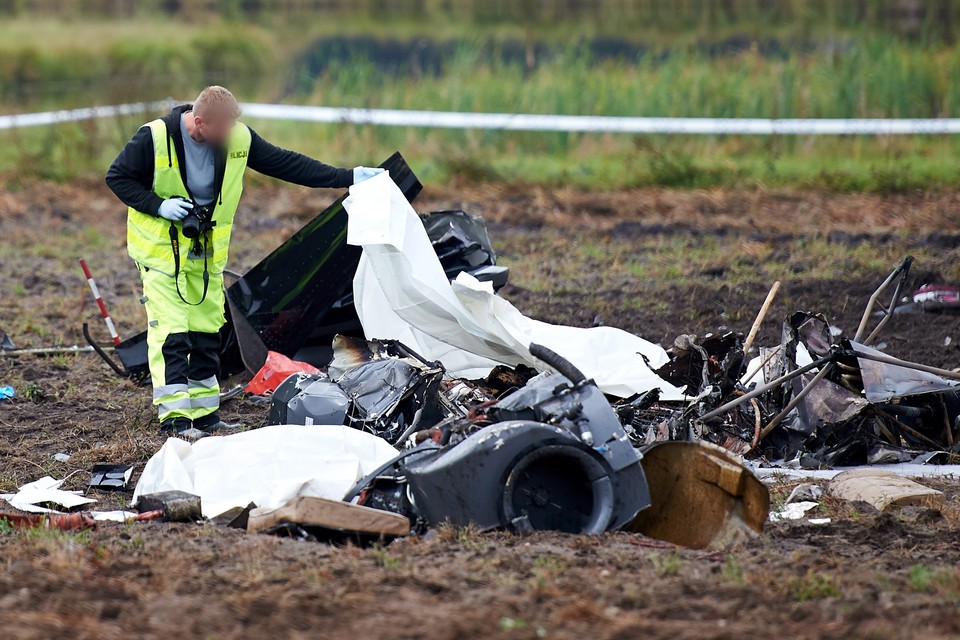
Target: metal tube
[[773, 353], [43, 351], [796, 400], [872, 302], [901, 270], [885, 359], [762, 389]]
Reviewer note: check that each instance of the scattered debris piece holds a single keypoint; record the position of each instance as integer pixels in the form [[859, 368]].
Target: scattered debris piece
[[61, 457], [793, 511], [333, 516], [126, 516], [110, 477], [41, 495], [306, 398], [6, 393], [176, 506], [932, 298], [805, 493], [883, 489], [275, 370], [235, 518], [63, 522], [685, 478], [6, 344]]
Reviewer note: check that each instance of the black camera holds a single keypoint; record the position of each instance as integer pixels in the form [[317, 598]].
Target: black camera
[[198, 221]]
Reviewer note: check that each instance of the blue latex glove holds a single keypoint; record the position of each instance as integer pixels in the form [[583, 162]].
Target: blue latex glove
[[175, 209], [365, 173], [6, 393]]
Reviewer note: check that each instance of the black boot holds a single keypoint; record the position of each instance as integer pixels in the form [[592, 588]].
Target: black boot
[[175, 426], [213, 424]]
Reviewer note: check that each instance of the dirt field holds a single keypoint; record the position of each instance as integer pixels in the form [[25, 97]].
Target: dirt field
[[652, 262]]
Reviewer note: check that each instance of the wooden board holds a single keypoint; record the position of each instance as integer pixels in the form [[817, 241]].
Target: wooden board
[[331, 514], [883, 489]]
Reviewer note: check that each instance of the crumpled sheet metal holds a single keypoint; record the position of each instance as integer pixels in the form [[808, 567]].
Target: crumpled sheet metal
[[402, 293], [702, 497], [460, 239], [884, 382], [265, 466], [829, 403]]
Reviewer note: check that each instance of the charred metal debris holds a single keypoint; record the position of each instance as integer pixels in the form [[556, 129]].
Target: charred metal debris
[[527, 450]]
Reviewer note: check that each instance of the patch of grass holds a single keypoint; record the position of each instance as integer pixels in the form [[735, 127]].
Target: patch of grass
[[383, 558], [813, 586], [666, 564], [732, 571], [943, 580], [680, 259]]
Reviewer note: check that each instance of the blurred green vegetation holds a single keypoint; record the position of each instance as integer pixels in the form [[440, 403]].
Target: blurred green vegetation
[[735, 58]]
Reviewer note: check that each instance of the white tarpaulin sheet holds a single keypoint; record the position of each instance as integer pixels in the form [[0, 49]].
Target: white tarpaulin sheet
[[402, 293], [265, 466]]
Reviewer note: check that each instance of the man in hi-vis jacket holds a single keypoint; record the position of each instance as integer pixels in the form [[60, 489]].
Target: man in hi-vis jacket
[[181, 177]]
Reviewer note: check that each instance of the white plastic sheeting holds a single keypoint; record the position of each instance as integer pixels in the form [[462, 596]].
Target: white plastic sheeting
[[402, 293], [32, 496], [265, 466]]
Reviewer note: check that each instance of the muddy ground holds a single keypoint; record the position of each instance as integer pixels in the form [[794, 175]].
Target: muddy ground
[[653, 262]]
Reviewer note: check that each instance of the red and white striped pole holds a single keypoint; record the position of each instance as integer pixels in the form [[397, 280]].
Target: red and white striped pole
[[103, 308]]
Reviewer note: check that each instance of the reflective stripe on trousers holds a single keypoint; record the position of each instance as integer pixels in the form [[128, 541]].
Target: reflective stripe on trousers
[[183, 343]]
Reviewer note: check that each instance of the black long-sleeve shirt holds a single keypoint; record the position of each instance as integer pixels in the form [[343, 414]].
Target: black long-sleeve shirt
[[130, 176]]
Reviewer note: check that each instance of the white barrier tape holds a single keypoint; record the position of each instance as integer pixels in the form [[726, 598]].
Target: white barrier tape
[[530, 122], [16, 121], [602, 124]]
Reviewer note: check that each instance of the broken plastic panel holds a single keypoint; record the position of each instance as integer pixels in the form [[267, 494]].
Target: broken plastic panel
[[308, 399], [111, 477], [379, 386], [461, 241]]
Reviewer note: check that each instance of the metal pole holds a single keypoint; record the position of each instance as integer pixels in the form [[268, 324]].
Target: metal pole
[[885, 359], [876, 294], [753, 375], [45, 351], [796, 400], [762, 389]]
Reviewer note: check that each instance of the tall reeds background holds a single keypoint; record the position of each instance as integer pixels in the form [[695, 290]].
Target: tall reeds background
[[749, 58]]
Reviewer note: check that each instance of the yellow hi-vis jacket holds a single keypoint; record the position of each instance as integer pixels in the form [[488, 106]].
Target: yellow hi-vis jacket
[[148, 236]]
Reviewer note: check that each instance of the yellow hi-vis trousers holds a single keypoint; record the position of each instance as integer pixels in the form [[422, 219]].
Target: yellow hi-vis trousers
[[183, 342]]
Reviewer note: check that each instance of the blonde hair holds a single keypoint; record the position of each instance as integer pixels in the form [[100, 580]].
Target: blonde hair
[[216, 98]]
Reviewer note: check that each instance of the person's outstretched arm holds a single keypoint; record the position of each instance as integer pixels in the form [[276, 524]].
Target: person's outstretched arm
[[294, 167]]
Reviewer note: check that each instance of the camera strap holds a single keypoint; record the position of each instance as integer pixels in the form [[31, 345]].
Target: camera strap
[[175, 247]]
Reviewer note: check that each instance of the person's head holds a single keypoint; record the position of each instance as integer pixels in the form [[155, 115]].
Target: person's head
[[215, 111]]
